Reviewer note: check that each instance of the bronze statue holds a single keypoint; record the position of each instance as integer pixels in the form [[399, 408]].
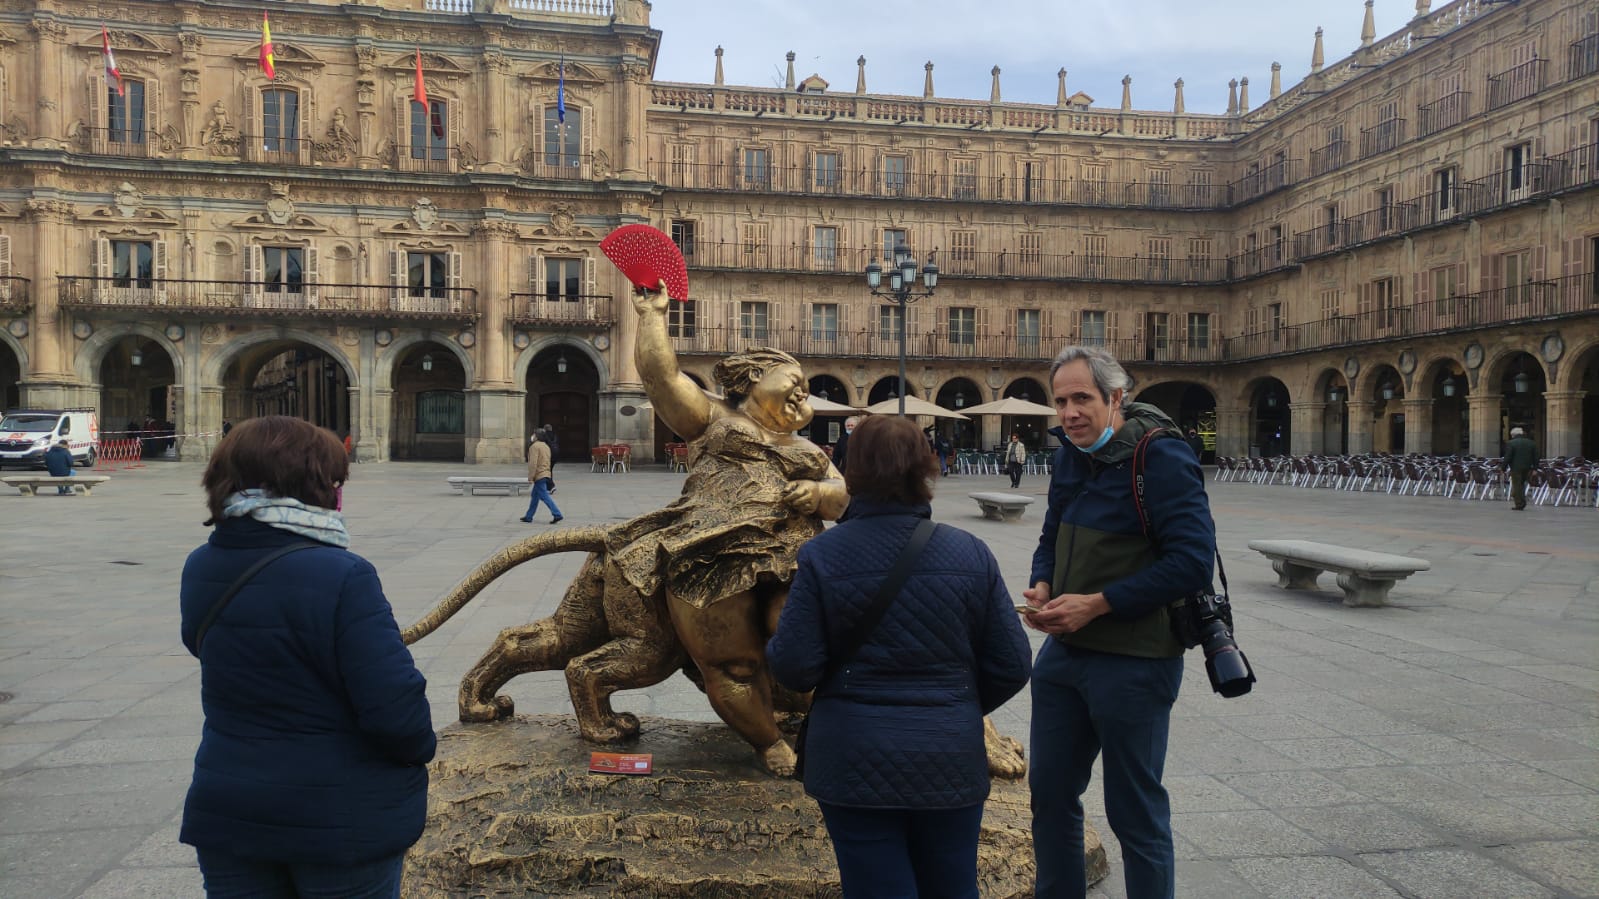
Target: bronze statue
[[702, 580]]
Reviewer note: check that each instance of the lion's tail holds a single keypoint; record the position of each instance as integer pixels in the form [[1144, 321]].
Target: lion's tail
[[559, 541]]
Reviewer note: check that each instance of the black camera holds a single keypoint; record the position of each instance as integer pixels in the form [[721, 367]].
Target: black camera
[[1206, 620]]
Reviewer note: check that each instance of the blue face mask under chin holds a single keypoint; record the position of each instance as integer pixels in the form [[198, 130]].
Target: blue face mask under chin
[[1104, 438]]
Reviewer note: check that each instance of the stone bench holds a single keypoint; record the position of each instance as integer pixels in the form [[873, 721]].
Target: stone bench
[[1002, 506], [507, 486], [1365, 576], [29, 484]]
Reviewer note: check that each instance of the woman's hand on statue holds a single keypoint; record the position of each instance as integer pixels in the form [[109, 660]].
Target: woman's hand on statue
[[646, 302], [803, 496]]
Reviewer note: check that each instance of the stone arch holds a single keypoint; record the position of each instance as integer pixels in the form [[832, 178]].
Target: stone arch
[[1580, 368], [86, 362], [213, 369], [1384, 391], [551, 341], [390, 356], [1027, 388], [8, 398], [1270, 428], [886, 387], [1494, 368], [16, 347], [957, 393]]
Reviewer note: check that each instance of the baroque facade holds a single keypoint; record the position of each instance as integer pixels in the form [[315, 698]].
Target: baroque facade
[[1397, 253]]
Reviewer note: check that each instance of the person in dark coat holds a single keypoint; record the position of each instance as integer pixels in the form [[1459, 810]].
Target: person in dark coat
[[1521, 456], [310, 778], [894, 751], [841, 448], [58, 462]]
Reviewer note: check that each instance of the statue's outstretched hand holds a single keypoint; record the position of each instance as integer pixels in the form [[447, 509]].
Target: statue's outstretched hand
[[803, 496], [654, 301]]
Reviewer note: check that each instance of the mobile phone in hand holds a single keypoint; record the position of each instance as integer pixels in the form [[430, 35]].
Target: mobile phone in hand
[[1026, 610]]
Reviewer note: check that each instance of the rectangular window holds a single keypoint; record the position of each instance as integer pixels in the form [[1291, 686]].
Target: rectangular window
[[1095, 190], [1329, 218], [892, 238], [1384, 297], [563, 279], [1199, 330], [441, 412], [683, 236], [1199, 250], [1274, 246], [895, 175], [1443, 189], [754, 244], [563, 141], [1445, 285], [962, 326], [1331, 304], [757, 168], [125, 114], [1517, 160], [680, 318], [824, 321], [1160, 258], [965, 183], [1032, 246], [1159, 187], [1518, 277], [282, 269], [682, 163], [1274, 319], [825, 247], [1199, 188], [280, 121], [889, 318], [963, 252], [1029, 330], [1091, 327], [752, 321], [428, 127], [132, 263], [1158, 330], [427, 274], [825, 176], [1385, 209]]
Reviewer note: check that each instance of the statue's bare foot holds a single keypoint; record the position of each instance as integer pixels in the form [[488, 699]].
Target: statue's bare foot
[[777, 759], [615, 728], [500, 708], [1006, 757]]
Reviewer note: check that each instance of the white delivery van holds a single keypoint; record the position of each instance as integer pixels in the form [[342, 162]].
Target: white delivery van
[[25, 434]]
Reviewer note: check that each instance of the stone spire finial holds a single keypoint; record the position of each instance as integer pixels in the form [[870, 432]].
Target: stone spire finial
[[719, 80], [1423, 7], [1368, 28], [1317, 56], [1060, 88], [860, 74], [1243, 95], [1276, 80], [1127, 93], [993, 90], [1177, 105], [788, 83], [927, 80], [1232, 97]]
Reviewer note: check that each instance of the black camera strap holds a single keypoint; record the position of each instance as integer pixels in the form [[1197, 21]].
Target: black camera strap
[[1139, 452]]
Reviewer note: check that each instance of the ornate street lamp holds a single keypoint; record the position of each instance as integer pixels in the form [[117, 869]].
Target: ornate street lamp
[[901, 289]]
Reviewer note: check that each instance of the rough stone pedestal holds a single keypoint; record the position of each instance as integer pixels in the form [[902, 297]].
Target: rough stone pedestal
[[512, 810]]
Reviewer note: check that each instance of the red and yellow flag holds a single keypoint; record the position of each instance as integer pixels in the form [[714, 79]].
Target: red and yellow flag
[[420, 93], [268, 67], [113, 75]]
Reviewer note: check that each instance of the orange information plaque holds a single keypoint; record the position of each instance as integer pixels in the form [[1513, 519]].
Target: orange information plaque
[[619, 763]]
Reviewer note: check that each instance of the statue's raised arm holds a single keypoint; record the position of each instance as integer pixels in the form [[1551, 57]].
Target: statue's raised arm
[[676, 398]]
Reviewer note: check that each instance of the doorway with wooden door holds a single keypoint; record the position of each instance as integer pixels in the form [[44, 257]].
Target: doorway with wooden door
[[563, 389], [568, 412]]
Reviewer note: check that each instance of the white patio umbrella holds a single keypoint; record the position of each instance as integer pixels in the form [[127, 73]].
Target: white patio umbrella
[[828, 407], [913, 406], [1010, 406]]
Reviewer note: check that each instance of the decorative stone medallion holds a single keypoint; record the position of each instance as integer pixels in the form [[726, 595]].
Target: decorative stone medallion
[[602, 342], [1351, 367], [425, 214], [628, 411], [82, 330], [1407, 361], [174, 333], [1473, 355], [521, 340], [1552, 348], [466, 338], [18, 327], [383, 337]]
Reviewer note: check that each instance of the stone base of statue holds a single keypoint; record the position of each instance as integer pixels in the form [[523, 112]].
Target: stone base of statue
[[512, 810]]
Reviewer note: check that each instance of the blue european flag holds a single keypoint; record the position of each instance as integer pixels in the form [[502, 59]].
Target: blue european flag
[[560, 93]]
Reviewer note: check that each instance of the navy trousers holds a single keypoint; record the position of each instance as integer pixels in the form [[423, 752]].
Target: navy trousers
[[905, 853], [228, 876], [1085, 703]]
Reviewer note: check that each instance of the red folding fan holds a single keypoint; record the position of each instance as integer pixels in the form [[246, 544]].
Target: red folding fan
[[647, 257]]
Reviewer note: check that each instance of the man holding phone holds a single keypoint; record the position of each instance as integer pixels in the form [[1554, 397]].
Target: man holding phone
[[1107, 679]]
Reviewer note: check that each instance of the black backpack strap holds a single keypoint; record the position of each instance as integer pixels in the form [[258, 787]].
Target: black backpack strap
[[886, 592], [1139, 453], [233, 588]]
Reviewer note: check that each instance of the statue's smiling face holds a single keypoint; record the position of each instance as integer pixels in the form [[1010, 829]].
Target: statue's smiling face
[[780, 400]]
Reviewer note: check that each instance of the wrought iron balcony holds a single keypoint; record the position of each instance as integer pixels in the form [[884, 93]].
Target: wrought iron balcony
[[1518, 83], [14, 295], [433, 160], [1277, 176], [1382, 137], [1582, 58], [1445, 112], [556, 167], [1329, 158], [538, 310], [255, 299], [129, 142], [873, 343], [274, 150]]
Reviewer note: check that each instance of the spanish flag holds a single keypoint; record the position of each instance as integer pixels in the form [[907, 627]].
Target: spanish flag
[[267, 66], [113, 75]]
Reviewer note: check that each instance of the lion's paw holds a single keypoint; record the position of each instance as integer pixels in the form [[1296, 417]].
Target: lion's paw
[[500, 708]]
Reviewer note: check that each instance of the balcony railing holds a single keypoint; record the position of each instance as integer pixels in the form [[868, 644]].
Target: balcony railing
[[544, 311], [1574, 169], [1582, 58], [1445, 112], [255, 298], [1250, 263], [555, 167], [115, 142], [276, 150], [14, 295], [432, 160], [1382, 137], [1277, 176], [832, 182], [935, 344], [1518, 83], [1562, 297], [1329, 158]]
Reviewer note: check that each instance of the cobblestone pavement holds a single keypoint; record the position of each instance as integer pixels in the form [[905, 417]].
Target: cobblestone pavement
[[1446, 745]]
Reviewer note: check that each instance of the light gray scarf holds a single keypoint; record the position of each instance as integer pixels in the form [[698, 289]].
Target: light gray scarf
[[288, 514]]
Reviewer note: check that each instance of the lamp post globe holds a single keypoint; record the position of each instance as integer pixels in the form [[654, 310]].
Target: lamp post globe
[[902, 291]]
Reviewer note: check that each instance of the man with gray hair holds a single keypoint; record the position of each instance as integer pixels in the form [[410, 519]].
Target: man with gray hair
[[1102, 581], [841, 448], [1521, 456]]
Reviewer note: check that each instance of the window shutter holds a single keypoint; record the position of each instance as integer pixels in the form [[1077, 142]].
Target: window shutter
[[1540, 262], [97, 109], [397, 278], [1138, 328], [585, 148], [101, 264], [913, 323], [982, 329], [310, 278], [453, 109], [5, 267], [843, 327], [253, 267], [250, 125], [588, 276], [158, 257], [402, 131], [152, 112], [1112, 327], [1493, 268], [452, 280], [537, 281], [307, 128], [1421, 286]]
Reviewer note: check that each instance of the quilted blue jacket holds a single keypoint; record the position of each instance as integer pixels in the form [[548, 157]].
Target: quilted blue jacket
[[900, 726], [317, 729]]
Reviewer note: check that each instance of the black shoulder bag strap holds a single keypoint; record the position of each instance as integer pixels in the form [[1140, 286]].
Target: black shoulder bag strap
[[233, 588], [1138, 496], [862, 631]]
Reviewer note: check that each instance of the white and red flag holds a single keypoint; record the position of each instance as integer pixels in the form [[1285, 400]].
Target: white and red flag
[[112, 74]]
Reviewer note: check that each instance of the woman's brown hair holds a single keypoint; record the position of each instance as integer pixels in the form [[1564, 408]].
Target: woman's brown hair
[[889, 460], [282, 455]]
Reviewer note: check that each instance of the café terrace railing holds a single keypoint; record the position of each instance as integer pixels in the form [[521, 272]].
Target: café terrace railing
[[1534, 300], [539, 310], [255, 299], [14, 295]]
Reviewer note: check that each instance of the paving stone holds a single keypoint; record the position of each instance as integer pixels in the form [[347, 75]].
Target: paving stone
[[1486, 821], [1451, 874], [148, 883], [1364, 827], [1314, 877], [1569, 865], [1239, 834], [1506, 779], [1276, 789]]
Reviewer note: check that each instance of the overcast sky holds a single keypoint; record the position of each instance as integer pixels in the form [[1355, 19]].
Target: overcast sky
[[1155, 41]]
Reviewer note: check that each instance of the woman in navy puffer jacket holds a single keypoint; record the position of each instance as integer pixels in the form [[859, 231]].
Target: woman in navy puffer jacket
[[310, 776], [894, 749]]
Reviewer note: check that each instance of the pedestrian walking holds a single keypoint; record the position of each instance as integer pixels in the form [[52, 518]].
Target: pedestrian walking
[[538, 474], [1015, 460], [1521, 456]]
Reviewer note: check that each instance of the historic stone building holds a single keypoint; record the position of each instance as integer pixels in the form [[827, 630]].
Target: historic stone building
[[1395, 253]]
